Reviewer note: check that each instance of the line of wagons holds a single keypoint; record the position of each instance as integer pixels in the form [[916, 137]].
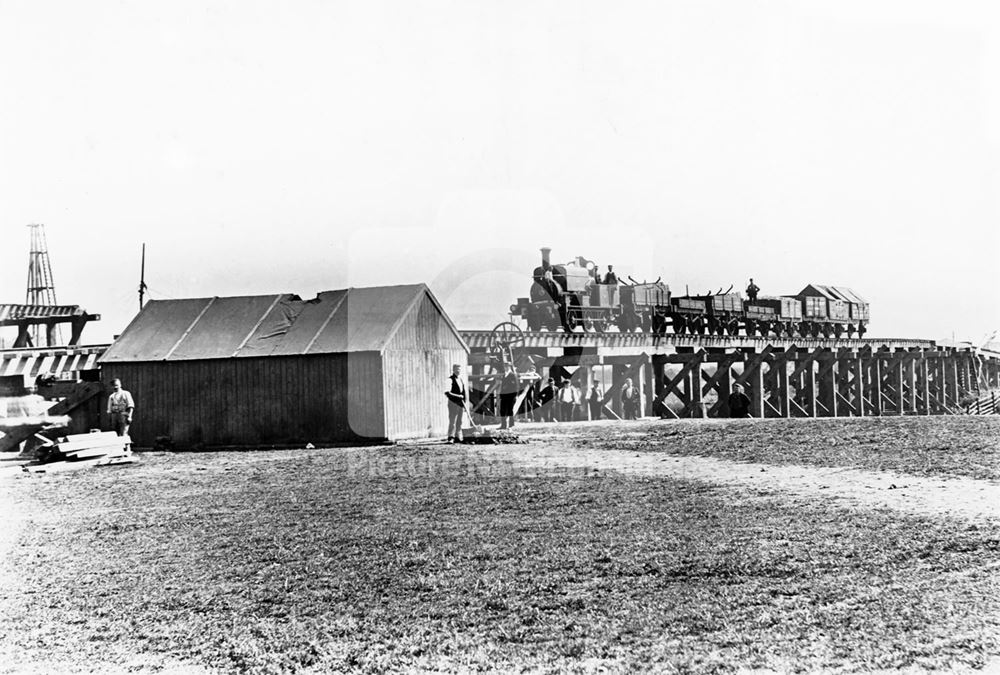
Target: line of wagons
[[579, 300]]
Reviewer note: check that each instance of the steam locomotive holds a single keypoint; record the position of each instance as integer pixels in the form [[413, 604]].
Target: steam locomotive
[[573, 296]]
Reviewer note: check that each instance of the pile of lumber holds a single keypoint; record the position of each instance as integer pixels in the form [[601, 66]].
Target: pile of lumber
[[78, 451]]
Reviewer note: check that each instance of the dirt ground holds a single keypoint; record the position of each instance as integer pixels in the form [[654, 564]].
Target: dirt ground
[[553, 450], [705, 546]]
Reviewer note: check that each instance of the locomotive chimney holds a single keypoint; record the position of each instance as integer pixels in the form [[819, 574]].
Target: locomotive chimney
[[545, 256]]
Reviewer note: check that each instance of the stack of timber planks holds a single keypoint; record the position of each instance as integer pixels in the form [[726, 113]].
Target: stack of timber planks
[[78, 451]]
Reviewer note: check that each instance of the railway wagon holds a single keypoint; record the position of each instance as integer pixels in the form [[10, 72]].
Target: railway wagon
[[573, 296], [833, 310]]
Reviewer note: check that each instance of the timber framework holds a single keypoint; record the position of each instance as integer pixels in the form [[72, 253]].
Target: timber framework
[[692, 376]]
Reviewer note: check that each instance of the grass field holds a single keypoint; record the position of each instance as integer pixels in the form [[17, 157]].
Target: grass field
[[434, 558]]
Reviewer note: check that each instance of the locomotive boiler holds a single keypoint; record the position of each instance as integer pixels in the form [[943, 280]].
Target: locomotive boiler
[[573, 296]]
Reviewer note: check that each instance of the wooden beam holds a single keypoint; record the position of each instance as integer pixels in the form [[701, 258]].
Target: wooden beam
[[753, 374], [671, 386], [631, 371], [720, 382]]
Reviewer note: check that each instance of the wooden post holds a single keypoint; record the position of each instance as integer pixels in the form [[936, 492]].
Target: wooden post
[[640, 383], [941, 384], [694, 385], [756, 381], [966, 370], [616, 385], [753, 377], [812, 386], [843, 390], [649, 377], [690, 362], [588, 383], [876, 385], [721, 382], [921, 365], [658, 367], [827, 399], [725, 383], [859, 386], [897, 373], [952, 368], [784, 394]]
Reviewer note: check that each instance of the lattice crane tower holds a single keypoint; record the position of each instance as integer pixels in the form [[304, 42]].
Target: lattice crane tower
[[41, 287]]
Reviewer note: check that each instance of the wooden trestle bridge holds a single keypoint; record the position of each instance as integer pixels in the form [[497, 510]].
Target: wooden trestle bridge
[[692, 376]]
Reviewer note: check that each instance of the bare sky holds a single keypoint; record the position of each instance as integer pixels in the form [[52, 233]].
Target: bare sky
[[264, 147]]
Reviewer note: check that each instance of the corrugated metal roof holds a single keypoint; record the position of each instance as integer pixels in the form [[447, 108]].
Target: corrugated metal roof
[[832, 293], [351, 320]]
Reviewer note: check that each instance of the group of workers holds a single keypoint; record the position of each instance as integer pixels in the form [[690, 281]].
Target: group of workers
[[555, 402]]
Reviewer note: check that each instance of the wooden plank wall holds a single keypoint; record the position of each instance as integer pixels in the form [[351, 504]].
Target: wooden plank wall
[[417, 363], [255, 401]]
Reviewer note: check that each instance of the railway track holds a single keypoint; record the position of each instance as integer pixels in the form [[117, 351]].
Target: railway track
[[481, 339]]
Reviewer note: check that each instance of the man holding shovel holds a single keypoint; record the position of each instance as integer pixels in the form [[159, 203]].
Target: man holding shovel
[[458, 398]]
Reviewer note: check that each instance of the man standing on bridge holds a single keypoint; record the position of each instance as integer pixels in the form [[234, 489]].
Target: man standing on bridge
[[752, 291]]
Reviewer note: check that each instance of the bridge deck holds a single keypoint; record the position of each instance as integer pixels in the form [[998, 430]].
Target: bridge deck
[[480, 339]]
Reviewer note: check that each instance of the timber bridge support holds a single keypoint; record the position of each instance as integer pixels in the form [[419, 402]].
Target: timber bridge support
[[692, 376]]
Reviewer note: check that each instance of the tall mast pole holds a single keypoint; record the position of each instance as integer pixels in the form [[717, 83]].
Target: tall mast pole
[[41, 287], [142, 276]]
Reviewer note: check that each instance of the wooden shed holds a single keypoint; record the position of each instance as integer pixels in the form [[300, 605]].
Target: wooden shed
[[349, 365]]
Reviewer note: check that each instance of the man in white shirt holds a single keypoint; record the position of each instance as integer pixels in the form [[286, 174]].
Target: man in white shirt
[[120, 407], [458, 398]]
